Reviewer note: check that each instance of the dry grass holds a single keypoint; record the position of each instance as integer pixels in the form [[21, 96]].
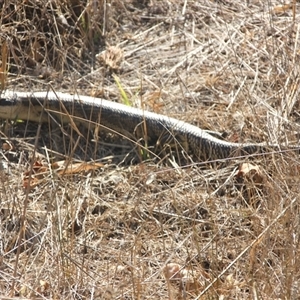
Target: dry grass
[[121, 231]]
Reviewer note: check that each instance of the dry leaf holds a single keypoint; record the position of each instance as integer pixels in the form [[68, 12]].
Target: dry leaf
[[187, 280], [33, 177], [40, 171], [112, 57], [251, 181], [252, 173], [152, 99], [280, 9], [7, 146], [172, 271], [43, 287], [76, 168]]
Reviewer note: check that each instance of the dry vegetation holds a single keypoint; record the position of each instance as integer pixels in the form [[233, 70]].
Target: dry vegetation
[[169, 228]]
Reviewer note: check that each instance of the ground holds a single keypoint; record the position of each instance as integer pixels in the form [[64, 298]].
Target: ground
[[104, 220]]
